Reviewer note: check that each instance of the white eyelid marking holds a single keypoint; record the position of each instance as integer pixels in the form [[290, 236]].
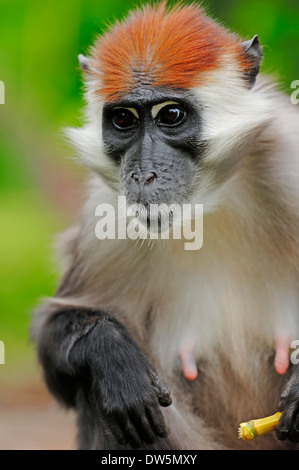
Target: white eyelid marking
[[133, 110], [158, 107]]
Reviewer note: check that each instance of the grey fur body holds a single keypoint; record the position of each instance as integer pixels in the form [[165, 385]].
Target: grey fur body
[[229, 298]]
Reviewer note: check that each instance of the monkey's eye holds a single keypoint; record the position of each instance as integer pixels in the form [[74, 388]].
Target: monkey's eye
[[170, 115], [123, 119]]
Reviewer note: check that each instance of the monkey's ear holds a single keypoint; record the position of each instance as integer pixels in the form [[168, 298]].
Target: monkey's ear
[[85, 62], [254, 54]]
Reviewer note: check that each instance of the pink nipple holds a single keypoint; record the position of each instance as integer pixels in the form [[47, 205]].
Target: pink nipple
[[282, 346], [188, 362]]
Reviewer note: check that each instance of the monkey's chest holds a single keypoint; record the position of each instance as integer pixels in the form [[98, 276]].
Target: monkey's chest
[[236, 316]]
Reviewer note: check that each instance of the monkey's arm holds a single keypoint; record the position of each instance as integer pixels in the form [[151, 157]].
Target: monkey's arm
[[91, 350], [288, 426]]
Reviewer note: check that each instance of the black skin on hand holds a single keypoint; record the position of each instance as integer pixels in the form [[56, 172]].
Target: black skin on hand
[[95, 352], [288, 425]]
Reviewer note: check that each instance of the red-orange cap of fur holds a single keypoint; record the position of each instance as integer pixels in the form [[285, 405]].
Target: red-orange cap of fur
[[160, 47]]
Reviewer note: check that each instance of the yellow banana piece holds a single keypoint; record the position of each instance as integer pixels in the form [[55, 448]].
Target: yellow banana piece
[[257, 427]]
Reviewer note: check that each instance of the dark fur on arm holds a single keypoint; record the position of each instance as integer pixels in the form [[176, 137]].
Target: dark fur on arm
[[82, 349]]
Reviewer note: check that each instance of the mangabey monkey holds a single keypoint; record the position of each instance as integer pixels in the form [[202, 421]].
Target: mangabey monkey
[[175, 115]]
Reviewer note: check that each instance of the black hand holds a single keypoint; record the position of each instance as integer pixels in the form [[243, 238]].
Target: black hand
[[288, 426], [125, 391], [89, 350]]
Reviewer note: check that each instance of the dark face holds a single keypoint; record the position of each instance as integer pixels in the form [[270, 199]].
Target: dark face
[[155, 138]]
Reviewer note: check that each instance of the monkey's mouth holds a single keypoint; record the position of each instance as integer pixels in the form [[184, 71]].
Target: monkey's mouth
[[153, 218], [157, 223]]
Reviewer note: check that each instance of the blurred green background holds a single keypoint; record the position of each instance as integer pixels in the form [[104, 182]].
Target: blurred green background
[[40, 186]]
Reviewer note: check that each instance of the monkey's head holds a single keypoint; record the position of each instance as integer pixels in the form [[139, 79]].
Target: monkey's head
[[171, 105]]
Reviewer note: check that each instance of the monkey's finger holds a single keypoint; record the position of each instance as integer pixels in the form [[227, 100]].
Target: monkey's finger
[[289, 394], [118, 434], [293, 435], [123, 430], [286, 421], [143, 427], [156, 420], [161, 390], [134, 439]]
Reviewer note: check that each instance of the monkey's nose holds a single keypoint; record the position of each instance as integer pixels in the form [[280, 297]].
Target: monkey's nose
[[147, 180]]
